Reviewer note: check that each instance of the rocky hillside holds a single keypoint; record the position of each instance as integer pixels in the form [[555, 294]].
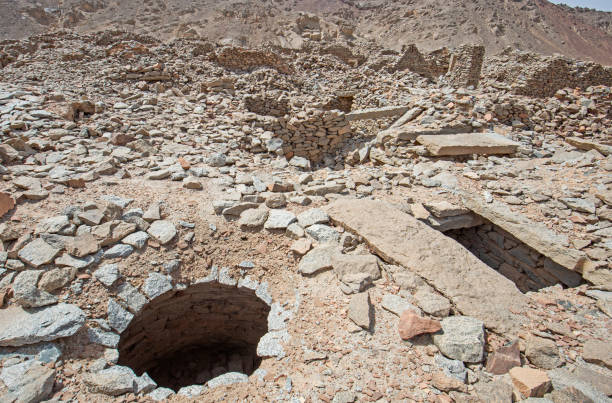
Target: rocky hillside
[[535, 25]]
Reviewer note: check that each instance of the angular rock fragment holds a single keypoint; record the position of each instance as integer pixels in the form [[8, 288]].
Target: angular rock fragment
[[19, 327], [162, 231], [530, 382], [37, 253], [432, 304], [317, 259], [543, 353], [112, 381], [504, 359], [397, 304], [253, 218], [228, 378], [118, 318], [360, 310], [412, 325], [351, 264], [82, 245], [137, 239], [32, 383], [107, 274], [462, 339], [27, 294], [311, 217], [598, 352], [156, 284], [279, 219], [467, 143]]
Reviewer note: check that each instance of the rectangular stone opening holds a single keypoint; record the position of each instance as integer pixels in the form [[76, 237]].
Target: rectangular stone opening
[[526, 267]]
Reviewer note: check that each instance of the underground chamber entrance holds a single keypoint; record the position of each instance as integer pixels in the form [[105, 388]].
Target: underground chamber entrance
[[527, 268], [190, 336]]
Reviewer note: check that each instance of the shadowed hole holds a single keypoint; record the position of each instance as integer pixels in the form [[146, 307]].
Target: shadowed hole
[[190, 336]]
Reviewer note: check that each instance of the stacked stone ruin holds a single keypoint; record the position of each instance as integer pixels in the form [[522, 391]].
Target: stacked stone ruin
[[246, 59], [536, 75], [465, 65], [311, 133], [271, 103]]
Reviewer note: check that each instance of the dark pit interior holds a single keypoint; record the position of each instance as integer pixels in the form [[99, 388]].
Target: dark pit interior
[[526, 267], [190, 336]]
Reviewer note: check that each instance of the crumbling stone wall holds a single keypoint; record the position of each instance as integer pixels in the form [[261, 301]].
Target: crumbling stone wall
[[10, 50], [271, 103], [310, 133], [235, 58], [106, 38], [345, 54], [535, 75], [413, 60], [528, 268], [465, 65], [307, 22], [342, 100]]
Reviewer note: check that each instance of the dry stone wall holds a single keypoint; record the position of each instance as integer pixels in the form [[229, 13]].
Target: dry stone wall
[[235, 58], [309, 133], [462, 65], [465, 65], [536, 75], [345, 54], [431, 67], [271, 103], [526, 267]]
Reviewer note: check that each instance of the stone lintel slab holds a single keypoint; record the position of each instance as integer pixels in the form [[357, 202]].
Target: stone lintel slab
[[534, 234], [473, 287], [467, 144], [409, 132], [377, 113]]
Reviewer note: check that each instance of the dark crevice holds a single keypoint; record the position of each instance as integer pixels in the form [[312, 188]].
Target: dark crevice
[[526, 267]]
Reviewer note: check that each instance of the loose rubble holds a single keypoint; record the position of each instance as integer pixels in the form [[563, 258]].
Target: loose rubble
[[385, 226]]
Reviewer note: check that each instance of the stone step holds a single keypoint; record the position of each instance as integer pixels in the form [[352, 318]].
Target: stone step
[[467, 144], [473, 287]]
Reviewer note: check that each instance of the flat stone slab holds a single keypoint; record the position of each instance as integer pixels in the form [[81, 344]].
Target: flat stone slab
[[410, 131], [472, 286], [534, 234], [376, 113], [467, 144], [19, 327]]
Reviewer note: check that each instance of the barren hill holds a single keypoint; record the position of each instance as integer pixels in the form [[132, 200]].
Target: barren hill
[[535, 25]]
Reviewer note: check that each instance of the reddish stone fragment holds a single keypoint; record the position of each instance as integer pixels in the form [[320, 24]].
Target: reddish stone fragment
[[76, 183], [6, 203], [530, 382], [412, 325], [504, 359], [184, 163]]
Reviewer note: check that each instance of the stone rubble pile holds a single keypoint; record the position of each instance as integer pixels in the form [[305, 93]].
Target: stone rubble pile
[[420, 229]]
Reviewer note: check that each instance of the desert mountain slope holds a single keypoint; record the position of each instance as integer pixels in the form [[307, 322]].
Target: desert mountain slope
[[535, 25]]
